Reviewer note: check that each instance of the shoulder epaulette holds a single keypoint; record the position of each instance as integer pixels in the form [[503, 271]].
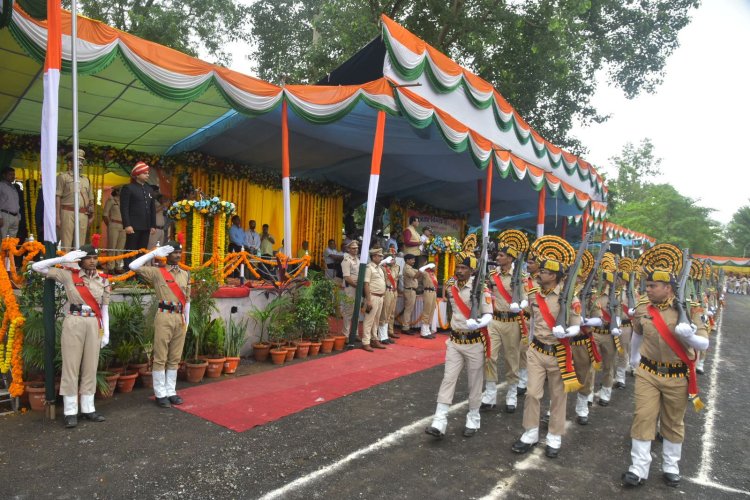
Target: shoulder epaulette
[[450, 282], [534, 289], [493, 272]]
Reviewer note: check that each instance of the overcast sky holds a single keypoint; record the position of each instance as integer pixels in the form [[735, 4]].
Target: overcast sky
[[696, 119]]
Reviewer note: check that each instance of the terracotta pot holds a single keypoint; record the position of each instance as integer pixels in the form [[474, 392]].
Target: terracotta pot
[[303, 348], [339, 341], [35, 390], [290, 352], [126, 381], [196, 371], [215, 367], [182, 371], [147, 379], [231, 364], [116, 369], [111, 379], [261, 351], [278, 356], [137, 367], [326, 345], [277, 345], [314, 348]]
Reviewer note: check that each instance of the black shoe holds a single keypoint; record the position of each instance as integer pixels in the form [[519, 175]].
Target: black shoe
[[510, 409], [520, 391], [590, 403], [163, 402], [469, 432], [582, 420], [672, 480], [630, 480], [619, 385], [70, 421], [551, 452], [93, 417], [429, 337], [699, 371], [432, 431], [408, 332], [487, 407], [521, 447], [604, 402], [175, 400]]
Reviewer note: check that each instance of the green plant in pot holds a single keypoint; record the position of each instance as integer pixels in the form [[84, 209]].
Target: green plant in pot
[[202, 306], [263, 318], [234, 338]]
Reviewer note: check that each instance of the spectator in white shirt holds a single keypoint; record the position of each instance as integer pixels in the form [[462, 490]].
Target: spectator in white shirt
[[252, 239], [333, 260]]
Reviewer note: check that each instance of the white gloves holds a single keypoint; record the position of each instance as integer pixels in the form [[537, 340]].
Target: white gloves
[[42, 267], [572, 331], [472, 324], [515, 308], [685, 330], [105, 325], [426, 267], [631, 312], [594, 322], [143, 259], [163, 251], [186, 315], [524, 304], [616, 332], [386, 261], [558, 331], [73, 256], [484, 320], [635, 349], [710, 313]]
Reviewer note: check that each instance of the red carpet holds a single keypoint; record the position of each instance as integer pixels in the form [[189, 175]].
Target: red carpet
[[436, 344], [242, 403]]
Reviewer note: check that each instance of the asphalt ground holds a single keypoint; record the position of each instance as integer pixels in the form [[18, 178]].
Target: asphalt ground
[[371, 444]]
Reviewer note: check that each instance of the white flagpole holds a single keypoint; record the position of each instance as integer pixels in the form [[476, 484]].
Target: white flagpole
[[76, 166]]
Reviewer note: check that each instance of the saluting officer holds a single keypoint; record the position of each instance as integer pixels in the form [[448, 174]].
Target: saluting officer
[[85, 328]]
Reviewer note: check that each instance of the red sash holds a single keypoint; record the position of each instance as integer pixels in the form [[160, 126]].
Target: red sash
[[433, 279], [606, 317], [676, 347], [85, 294], [466, 313], [501, 288], [626, 310], [390, 277], [547, 316], [173, 286]]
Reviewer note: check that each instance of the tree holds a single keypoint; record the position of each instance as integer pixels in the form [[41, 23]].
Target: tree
[[185, 26], [635, 166], [738, 231], [542, 55]]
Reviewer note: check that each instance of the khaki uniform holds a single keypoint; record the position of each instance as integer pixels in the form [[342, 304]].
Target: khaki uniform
[[505, 332], [65, 191], [10, 210], [471, 353], [658, 396], [604, 340], [543, 366], [115, 231], [622, 361], [80, 340], [349, 267], [429, 297], [169, 327], [375, 278], [158, 235], [391, 295], [410, 296]]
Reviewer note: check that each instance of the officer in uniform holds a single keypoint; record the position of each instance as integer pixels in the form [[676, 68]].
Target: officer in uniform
[[429, 299], [85, 328], [549, 355], [466, 345], [172, 289], [392, 271], [505, 327], [374, 291], [115, 232], [410, 292], [65, 202], [626, 266], [585, 354], [530, 283], [350, 272], [663, 349], [10, 204]]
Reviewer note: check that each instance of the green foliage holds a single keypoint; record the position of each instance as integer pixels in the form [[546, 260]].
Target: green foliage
[[266, 316], [214, 338], [636, 165], [202, 306], [186, 26], [235, 337], [543, 56], [33, 344], [738, 232], [313, 305]]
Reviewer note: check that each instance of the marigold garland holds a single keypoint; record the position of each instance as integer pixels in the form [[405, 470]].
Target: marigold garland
[[12, 322]]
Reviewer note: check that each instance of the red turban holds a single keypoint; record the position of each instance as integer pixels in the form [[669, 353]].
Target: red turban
[[140, 168]]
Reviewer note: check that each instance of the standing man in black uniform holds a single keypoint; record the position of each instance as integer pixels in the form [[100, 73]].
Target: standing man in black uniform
[[137, 208]]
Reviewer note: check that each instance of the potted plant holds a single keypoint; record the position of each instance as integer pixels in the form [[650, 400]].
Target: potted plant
[[234, 339], [263, 318], [277, 332], [124, 354], [202, 306], [213, 346]]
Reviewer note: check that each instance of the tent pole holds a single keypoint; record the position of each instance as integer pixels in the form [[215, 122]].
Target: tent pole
[[541, 212], [585, 222], [285, 179], [76, 165], [604, 230], [487, 203], [564, 230], [372, 196]]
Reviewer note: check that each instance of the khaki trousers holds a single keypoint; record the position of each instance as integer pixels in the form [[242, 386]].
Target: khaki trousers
[[456, 356], [79, 345], [115, 241], [389, 309], [543, 367], [623, 360], [157, 237], [522, 353], [429, 300], [169, 339], [410, 298], [372, 320], [10, 225], [662, 398], [347, 309], [584, 371], [67, 226], [508, 336], [606, 345]]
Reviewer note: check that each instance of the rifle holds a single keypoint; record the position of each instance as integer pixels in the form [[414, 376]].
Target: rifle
[[586, 292], [515, 280], [682, 280], [631, 290], [477, 289], [568, 291], [613, 304]]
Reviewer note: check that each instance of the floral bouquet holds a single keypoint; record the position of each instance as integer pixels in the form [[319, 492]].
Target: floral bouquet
[[443, 244], [207, 206]]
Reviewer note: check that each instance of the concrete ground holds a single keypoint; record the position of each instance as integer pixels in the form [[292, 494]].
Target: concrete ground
[[371, 444]]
